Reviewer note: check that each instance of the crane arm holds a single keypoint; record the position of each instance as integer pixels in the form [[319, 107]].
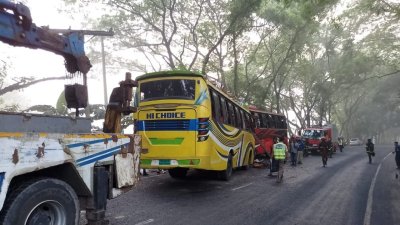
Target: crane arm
[[17, 29]]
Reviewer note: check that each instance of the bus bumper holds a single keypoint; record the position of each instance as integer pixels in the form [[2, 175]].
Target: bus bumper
[[193, 163]]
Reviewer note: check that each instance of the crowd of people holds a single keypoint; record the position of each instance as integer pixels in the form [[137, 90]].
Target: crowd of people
[[296, 147]]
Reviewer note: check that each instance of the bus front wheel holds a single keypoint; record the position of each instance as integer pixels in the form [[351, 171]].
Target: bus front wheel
[[178, 172]]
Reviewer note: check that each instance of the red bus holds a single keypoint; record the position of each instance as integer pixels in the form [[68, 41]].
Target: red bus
[[267, 127]]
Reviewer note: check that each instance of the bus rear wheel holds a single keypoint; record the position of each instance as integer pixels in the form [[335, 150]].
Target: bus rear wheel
[[226, 174], [250, 158], [178, 172]]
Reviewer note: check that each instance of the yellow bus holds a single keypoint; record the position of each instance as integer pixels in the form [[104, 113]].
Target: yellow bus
[[186, 122]]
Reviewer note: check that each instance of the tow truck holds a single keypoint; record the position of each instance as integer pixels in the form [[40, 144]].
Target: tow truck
[[53, 167]]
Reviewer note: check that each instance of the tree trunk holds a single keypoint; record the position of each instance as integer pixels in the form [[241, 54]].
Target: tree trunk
[[235, 67]]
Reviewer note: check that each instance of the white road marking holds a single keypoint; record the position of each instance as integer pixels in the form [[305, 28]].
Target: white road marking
[[145, 222], [119, 217], [368, 211], [234, 189]]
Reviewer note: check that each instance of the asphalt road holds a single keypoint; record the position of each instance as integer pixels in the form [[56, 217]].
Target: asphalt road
[[348, 191]]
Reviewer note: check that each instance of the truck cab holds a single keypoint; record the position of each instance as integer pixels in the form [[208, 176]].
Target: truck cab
[[312, 137]]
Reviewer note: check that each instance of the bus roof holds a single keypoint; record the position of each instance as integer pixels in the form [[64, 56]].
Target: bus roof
[[262, 111], [169, 73], [226, 95]]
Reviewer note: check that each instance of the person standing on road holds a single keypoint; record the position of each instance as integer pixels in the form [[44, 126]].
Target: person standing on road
[[280, 154], [370, 150], [323, 148], [300, 150], [341, 144], [294, 147], [397, 151]]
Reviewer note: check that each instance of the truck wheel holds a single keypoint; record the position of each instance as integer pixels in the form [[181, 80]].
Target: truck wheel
[[41, 201], [178, 172], [226, 174]]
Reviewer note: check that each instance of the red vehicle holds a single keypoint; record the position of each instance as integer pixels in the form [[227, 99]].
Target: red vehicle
[[312, 137], [267, 127]]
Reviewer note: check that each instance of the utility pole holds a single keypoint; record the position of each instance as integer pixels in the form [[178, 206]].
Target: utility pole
[[103, 59], [102, 34]]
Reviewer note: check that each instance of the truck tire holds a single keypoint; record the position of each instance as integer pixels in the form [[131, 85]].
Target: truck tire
[[178, 173], [226, 174], [41, 201]]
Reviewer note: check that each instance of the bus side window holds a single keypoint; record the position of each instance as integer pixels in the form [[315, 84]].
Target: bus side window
[[279, 122], [238, 118], [267, 120], [264, 120], [258, 120], [244, 125], [216, 111], [271, 123], [285, 124], [224, 110], [231, 114], [255, 117], [275, 121], [212, 102], [252, 123], [247, 120]]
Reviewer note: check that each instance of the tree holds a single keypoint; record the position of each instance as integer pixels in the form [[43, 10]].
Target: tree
[[315, 59], [18, 82], [24, 82]]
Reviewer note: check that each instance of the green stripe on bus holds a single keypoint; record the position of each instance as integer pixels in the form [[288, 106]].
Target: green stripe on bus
[[156, 141], [145, 161], [189, 162]]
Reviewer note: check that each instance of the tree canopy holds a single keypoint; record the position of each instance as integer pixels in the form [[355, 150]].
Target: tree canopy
[[317, 62]]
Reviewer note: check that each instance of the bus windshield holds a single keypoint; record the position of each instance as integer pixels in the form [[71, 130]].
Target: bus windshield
[[313, 134], [167, 89]]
